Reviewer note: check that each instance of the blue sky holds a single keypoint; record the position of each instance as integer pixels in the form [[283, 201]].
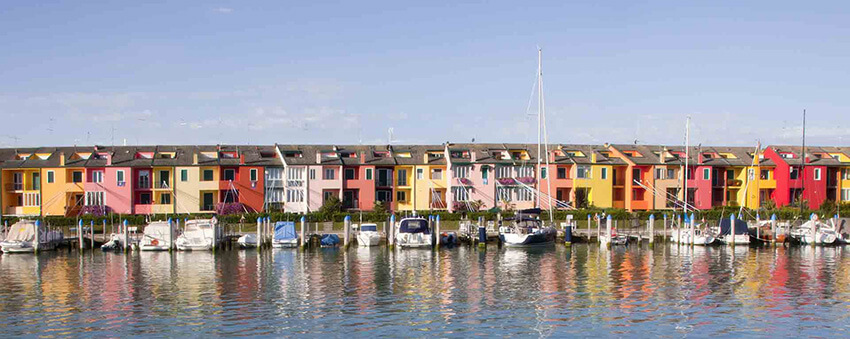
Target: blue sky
[[317, 72]]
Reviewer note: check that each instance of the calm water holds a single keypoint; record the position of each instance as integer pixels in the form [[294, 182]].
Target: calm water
[[555, 291]]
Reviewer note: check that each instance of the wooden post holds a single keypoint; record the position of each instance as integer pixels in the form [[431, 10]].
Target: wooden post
[[693, 230], [588, 228], [391, 233], [608, 225], [37, 236], [679, 231], [91, 232], [346, 225], [814, 230], [664, 238], [598, 228], [259, 233], [732, 228], [303, 232], [773, 229], [651, 230], [80, 234], [438, 240], [126, 236]]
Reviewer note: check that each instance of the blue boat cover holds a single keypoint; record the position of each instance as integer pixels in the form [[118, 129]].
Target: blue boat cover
[[369, 228], [414, 226], [330, 240], [284, 230], [740, 226]]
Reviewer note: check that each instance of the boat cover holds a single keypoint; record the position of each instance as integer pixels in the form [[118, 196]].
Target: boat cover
[[740, 226], [414, 226], [23, 230], [284, 230], [157, 230], [368, 228], [330, 240]]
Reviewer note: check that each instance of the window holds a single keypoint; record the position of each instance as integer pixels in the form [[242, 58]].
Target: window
[[275, 196], [460, 194], [562, 173], [583, 172], [485, 175], [401, 196], [706, 174], [402, 177], [292, 174], [165, 199], [420, 174], [97, 176], [604, 173], [659, 173], [145, 199], [144, 179], [164, 179], [312, 174], [329, 174], [845, 194], [751, 173], [77, 177], [328, 195], [51, 177], [524, 171], [523, 194], [846, 173], [297, 195], [208, 175], [671, 173], [636, 174], [817, 173], [730, 175], [349, 174], [437, 174], [184, 175], [385, 196], [369, 174], [94, 199], [504, 193], [543, 173], [36, 181], [764, 175], [229, 174], [461, 172], [795, 173]]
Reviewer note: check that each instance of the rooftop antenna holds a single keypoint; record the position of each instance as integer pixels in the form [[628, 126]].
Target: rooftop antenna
[[803, 163], [390, 136]]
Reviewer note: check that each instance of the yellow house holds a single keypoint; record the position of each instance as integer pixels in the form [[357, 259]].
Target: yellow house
[[21, 191], [187, 191], [429, 177], [593, 179]]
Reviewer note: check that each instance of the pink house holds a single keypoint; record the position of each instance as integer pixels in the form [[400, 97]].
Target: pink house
[[106, 185], [324, 177]]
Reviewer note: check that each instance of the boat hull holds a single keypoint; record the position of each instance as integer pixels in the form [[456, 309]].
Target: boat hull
[[533, 239], [288, 243], [153, 248], [368, 239], [414, 240]]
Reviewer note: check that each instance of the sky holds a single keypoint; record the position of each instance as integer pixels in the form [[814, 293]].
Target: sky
[[308, 72]]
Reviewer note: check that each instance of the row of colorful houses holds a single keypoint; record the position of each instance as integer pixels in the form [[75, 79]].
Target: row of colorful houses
[[71, 181]]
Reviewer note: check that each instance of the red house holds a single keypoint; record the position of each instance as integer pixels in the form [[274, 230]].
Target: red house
[[815, 184]]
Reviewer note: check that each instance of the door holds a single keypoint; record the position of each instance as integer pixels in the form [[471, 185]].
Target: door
[[36, 181], [17, 181], [208, 201], [164, 178], [349, 200]]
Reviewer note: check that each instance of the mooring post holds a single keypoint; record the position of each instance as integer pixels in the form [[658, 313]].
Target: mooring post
[[568, 234], [346, 225], [91, 232], [679, 230], [37, 236], [773, 229], [482, 236], [104, 230], [588, 228], [80, 234], [732, 228], [269, 231], [303, 232], [664, 238], [608, 224], [259, 233], [438, 241], [391, 233], [126, 232], [598, 228], [693, 230], [814, 229], [651, 230]]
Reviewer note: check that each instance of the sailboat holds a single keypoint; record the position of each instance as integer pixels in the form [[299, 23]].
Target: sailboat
[[526, 228]]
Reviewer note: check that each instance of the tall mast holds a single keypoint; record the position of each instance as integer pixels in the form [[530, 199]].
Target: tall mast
[[803, 162], [687, 161], [542, 124], [539, 109]]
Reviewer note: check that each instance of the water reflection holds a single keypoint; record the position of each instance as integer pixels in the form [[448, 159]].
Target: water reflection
[[578, 290]]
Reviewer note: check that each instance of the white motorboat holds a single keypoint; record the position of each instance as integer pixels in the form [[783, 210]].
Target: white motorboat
[[414, 232], [614, 239], [284, 235], [247, 241], [526, 229], [115, 243], [156, 236], [367, 235], [824, 234], [199, 235], [700, 237], [21, 238]]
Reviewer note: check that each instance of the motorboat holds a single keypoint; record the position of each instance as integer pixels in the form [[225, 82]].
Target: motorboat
[[156, 236], [613, 239], [448, 238], [824, 234], [414, 232], [700, 236], [247, 241], [115, 243], [739, 234], [526, 229], [21, 238], [198, 235], [284, 235], [367, 235]]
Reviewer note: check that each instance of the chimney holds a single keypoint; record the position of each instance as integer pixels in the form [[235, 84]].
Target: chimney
[[362, 157], [242, 159], [472, 155], [592, 157], [194, 158], [109, 159], [318, 157], [61, 159], [664, 152]]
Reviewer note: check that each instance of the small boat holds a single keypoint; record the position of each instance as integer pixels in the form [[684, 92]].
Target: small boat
[[615, 239], [526, 229], [367, 235], [115, 243], [824, 234], [21, 238], [700, 237], [198, 235], [156, 236], [329, 240], [448, 238], [284, 235], [414, 232], [741, 232], [247, 241]]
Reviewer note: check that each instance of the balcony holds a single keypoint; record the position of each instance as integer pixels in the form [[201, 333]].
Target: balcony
[[351, 204], [143, 184], [438, 205], [384, 183], [162, 185], [733, 182], [17, 186]]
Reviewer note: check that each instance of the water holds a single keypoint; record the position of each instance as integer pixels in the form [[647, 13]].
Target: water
[[556, 291]]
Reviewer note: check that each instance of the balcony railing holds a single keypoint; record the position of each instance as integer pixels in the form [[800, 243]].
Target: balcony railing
[[384, 183], [162, 185], [16, 186], [733, 182], [438, 205], [143, 184]]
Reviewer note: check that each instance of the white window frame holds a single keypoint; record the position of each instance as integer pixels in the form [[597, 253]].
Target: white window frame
[[254, 175], [503, 172], [461, 171], [504, 193], [845, 194], [328, 174], [95, 198], [817, 174], [120, 177], [401, 177], [460, 193], [420, 173], [604, 173], [523, 194], [524, 171], [583, 172], [706, 174], [51, 177], [97, 176], [312, 174]]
